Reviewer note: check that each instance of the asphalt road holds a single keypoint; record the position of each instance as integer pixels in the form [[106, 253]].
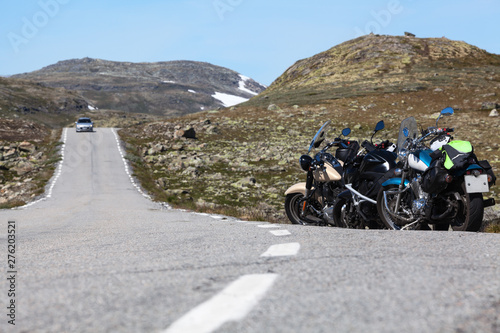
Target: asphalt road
[[96, 255]]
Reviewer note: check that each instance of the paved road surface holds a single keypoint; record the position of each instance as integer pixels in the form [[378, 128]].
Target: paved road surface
[[98, 256]]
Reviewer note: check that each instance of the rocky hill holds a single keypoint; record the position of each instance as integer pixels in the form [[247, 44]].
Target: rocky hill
[[163, 88], [374, 64], [52, 106]]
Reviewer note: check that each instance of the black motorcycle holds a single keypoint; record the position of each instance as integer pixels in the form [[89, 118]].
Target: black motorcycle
[[356, 207]]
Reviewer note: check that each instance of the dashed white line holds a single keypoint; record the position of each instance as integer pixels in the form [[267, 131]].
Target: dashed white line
[[268, 226], [281, 250], [280, 233], [231, 304]]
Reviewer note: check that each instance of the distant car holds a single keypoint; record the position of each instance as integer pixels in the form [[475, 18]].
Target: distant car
[[84, 124]]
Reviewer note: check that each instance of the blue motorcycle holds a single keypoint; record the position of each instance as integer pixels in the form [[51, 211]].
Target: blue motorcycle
[[438, 182]]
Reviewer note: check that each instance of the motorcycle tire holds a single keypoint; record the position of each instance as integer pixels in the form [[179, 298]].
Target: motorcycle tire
[[292, 208], [470, 218], [340, 213], [389, 221]]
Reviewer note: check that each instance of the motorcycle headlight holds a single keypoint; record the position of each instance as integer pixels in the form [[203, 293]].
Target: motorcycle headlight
[[305, 162]]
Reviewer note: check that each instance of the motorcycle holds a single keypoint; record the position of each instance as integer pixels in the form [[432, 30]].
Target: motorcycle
[[439, 184], [311, 202], [356, 206]]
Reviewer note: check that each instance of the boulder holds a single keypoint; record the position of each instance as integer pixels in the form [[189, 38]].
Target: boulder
[[489, 105], [26, 146], [189, 133], [494, 113], [273, 107], [10, 154], [244, 182], [23, 168]]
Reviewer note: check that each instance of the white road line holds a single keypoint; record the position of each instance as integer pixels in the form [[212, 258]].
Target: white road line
[[281, 250], [57, 173], [268, 226], [138, 188], [280, 233], [231, 304]]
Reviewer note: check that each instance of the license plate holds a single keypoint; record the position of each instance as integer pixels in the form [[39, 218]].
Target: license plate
[[478, 184]]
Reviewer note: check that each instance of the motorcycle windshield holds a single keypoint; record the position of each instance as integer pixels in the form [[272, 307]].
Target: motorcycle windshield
[[319, 137], [407, 130]]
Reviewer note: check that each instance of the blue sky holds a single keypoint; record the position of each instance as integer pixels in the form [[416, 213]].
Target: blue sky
[[257, 38]]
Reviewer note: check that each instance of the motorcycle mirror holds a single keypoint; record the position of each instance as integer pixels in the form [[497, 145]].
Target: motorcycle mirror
[[380, 126], [445, 112], [346, 131]]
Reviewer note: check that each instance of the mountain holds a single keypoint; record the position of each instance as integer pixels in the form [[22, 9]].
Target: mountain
[[375, 64], [163, 88], [52, 106]]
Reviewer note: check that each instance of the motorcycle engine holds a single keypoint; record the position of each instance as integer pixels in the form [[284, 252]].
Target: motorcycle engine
[[420, 201]]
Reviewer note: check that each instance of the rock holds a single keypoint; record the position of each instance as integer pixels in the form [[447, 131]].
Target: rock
[[23, 168], [191, 171], [27, 147], [10, 154], [494, 113], [244, 182], [178, 147], [273, 107], [213, 130], [489, 105], [188, 133]]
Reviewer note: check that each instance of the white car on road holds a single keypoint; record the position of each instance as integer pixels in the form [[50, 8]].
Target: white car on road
[[84, 124]]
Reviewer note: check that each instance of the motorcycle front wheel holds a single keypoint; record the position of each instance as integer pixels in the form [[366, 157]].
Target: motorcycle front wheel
[[293, 209], [396, 220]]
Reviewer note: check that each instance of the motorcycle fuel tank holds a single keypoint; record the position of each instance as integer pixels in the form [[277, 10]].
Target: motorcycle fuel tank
[[419, 160], [326, 174], [378, 162]]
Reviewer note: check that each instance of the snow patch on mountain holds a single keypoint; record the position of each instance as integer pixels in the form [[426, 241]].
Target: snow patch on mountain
[[229, 100], [243, 85]]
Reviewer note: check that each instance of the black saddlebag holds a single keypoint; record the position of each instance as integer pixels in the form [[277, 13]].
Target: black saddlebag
[[434, 178]]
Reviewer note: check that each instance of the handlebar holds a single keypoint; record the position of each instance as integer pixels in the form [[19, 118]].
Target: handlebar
[[338, 143], [368, 145]]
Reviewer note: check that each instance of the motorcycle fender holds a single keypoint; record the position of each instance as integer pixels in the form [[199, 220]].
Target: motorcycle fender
[[297, 188], [394, 181], [347, 195]]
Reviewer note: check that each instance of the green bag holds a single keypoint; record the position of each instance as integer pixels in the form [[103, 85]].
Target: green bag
[[457, 154]]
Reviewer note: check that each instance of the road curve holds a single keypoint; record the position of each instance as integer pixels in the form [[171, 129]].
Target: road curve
[[96, 255]]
